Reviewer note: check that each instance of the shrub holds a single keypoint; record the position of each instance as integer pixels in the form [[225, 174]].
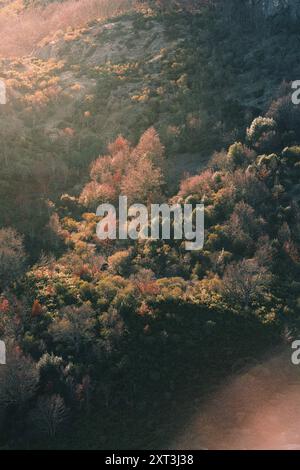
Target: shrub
[[286, 114], [239, 155], [119, 262], [270, 161], [262, 134], [291, 153]]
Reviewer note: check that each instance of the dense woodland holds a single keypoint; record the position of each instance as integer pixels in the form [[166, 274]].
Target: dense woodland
[[103, 336]]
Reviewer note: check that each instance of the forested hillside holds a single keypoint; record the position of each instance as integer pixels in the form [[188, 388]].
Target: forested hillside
[[196, 78], [181, 102]]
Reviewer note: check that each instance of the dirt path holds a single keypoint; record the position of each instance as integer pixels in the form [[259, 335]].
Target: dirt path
[[259, 409]]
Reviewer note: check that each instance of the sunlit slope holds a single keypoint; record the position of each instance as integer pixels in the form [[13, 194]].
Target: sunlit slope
[[25, 23], [198, 81]]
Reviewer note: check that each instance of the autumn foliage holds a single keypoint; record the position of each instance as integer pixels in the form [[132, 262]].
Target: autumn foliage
[[135, 172]]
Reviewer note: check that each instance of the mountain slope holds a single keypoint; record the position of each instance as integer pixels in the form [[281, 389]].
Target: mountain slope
[[196, 79]]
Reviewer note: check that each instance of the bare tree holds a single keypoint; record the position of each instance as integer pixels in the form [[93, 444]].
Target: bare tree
[[74, 327], [18, 378], [245, 282], [49, 415], [12, 256]]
